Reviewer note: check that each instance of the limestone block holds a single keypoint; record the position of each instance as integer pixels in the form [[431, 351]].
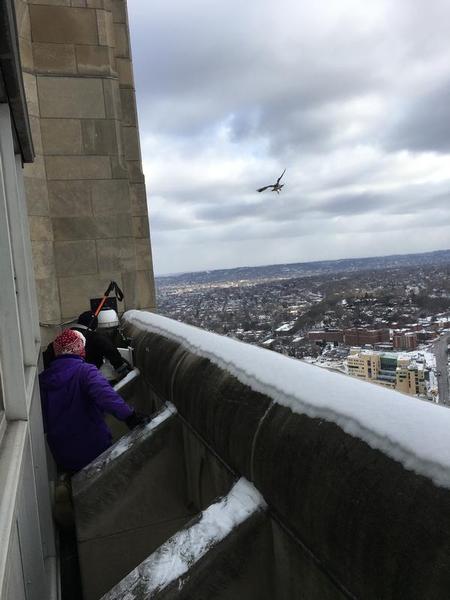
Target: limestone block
[[105, 28], [112, 98], [63, 25], [43, 259], [51, 2], [78, 167], [119, 167], [119, 11], [70, 198], [122, 47], [140, 227], [36, 134], [75, 258], [36, 194], [95, 3], [26, 54], [128, 102], [54, 58], [75, 292], [125, 71], [23, 20], [145, 291], [35, 169], [143, 254], [61, 136], [40, 228], [71, 97], [48, 300], [114, 227], [135, 173], [131, 143], [138, 199], [116, 255], [79, 3], [93, 60], [31, 94], [110, 197], [99, 136], [91, 228]]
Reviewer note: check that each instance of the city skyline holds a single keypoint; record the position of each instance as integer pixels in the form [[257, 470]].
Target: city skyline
[[351, 99]]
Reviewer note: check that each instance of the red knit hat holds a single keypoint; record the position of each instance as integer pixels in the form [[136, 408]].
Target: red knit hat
[[70, 342]]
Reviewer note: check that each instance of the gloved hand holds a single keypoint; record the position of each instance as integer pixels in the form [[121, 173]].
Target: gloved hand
[[135, 419], [124, 369]]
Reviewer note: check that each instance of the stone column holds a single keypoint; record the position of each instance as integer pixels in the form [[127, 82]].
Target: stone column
[[86, 190]]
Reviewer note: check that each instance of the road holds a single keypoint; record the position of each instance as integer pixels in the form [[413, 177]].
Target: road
[[442, 375]]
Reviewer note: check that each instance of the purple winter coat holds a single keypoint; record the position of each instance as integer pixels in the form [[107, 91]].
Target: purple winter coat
[[74, 396]]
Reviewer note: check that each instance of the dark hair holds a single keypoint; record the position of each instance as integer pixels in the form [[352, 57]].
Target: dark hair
[[88, 319]]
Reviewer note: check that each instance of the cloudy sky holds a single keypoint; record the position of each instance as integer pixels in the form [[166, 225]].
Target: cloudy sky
[[352, 97]]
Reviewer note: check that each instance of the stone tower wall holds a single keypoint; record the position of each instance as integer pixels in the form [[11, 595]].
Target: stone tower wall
[[85, 190]]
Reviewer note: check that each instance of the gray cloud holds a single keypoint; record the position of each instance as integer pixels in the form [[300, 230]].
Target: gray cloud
[[352, 97]]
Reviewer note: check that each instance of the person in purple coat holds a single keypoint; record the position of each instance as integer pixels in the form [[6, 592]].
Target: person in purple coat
[[75, 396]]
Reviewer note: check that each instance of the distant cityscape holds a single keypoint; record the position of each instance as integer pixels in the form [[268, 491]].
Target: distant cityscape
[[386, 320]]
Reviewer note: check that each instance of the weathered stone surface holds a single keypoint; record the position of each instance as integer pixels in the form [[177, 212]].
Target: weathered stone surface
[[128, 102], [116, 254], [145, 291], [23, 19], [110, 197], [35, 169], [31, 93], [131, 143], [141, 227], [71, 97], [40, 228], [138, 199], [75, 258], [143, 255], [61, 136], [135, 173], [119, 167], [105, 28], [51, 2], [26, 54], [121, 40], [74, 25], [43, 259], [36, 194], [36, 134], [91, 228], [48, 300], [76, 291], [99, 136], [70, 198], [93, 60], [119, 11], [54, 58], [112, 98], [125, 71], [78, 3], [78, 167]]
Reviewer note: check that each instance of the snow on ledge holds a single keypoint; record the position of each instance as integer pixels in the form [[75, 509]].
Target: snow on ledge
[[175, 557], [412, 431]]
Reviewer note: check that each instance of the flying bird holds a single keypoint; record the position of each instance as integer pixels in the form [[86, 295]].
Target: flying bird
[[276, 187]]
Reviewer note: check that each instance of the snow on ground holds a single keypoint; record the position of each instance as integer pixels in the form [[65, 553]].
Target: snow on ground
[[414, 432], [175, 557]]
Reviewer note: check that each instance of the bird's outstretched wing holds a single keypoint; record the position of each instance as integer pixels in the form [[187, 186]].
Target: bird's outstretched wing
[[279, 178], [264, 188]]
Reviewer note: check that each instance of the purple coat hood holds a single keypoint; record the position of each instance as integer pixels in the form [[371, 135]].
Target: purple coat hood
[[74, 396]]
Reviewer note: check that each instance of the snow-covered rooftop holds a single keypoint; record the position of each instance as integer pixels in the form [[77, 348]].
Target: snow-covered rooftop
[[408, 430]]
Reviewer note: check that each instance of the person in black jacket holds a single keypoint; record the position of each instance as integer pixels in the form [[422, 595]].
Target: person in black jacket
[[98, 346]]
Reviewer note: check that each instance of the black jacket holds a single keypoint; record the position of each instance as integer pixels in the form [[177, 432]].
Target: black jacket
[[98, 347]]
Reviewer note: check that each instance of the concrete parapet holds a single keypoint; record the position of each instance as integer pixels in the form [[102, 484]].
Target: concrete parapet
[[372, 526]]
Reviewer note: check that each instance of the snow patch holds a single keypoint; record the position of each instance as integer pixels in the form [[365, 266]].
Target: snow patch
[[129, 377], [411, 431], [175, 557]]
